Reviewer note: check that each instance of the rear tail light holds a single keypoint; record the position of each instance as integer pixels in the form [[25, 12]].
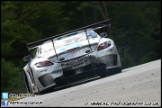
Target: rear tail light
[[104, 45], [43, 64]]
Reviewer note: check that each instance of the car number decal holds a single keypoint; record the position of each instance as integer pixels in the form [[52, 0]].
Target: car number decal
[[72, 62]]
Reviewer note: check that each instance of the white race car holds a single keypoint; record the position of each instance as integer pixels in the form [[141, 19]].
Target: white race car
[[72, 57]]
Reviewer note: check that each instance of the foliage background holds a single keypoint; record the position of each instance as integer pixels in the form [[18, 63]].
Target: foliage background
[[136, 30]]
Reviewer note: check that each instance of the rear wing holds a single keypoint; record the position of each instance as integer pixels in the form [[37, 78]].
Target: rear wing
[[94, 26]]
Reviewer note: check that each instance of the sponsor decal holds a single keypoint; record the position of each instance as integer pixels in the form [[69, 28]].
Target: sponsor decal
[[70, 46], [73, 62]]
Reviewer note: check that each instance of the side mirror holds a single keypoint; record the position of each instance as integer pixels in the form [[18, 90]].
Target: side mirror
[[103, 34], [27, 58]]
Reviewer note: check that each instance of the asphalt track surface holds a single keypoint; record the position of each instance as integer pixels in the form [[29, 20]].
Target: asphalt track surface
[[135, 86]]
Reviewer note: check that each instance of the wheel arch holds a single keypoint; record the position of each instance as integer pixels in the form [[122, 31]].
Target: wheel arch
[[26, 82]]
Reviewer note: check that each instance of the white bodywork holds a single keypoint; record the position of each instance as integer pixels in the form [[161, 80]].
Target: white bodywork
[[69, 53]]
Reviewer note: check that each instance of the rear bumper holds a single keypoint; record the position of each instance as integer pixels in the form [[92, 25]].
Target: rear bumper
[[97, 67], [93, 71], [71, 77]]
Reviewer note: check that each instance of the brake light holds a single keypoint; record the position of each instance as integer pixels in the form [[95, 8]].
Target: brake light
[[73, 49], [104, 45], [43, 64]]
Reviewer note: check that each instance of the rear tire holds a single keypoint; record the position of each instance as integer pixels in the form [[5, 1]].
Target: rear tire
[[114, 71], [51, 89]]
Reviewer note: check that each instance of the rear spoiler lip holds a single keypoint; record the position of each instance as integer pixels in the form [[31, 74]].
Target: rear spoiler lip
[[95, 26]]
